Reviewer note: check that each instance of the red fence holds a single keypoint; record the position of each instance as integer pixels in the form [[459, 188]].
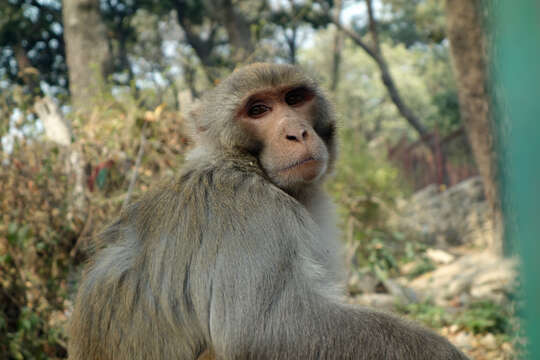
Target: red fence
[[446, 161]]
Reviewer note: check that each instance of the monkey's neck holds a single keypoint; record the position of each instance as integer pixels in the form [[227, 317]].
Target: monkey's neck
[[316, 201], [305, 194]]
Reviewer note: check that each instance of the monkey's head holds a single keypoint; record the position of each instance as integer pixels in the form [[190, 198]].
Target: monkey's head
[[275, 113]]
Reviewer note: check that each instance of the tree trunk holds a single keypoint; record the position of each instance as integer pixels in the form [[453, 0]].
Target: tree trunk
[[87, 53], [338, 47], [222, 14], [467, 45], [238, 32]]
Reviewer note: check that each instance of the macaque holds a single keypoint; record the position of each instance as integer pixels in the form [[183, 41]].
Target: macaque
[[236, 258]]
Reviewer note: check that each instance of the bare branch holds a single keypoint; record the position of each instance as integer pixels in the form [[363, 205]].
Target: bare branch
[[338, 47], [135, 170], [373, 26], [386, 77]]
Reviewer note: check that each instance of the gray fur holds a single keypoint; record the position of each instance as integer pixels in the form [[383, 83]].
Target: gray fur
[[221, 259]]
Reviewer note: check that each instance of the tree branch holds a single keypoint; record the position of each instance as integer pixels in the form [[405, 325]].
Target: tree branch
[[338, 47], [386, 77], [373, 27], [135, 170]]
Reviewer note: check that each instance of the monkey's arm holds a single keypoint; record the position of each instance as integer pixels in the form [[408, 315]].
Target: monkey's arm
[[268, 298]]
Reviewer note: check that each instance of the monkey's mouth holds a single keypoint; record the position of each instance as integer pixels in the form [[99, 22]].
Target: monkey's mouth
[[299, 163]]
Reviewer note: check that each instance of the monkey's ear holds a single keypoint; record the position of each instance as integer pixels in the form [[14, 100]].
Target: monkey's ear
[[200, 129], [196, 123], [194, 120], [194, 109]]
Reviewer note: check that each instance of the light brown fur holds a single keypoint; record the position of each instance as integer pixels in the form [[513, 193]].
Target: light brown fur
[[236, 258]]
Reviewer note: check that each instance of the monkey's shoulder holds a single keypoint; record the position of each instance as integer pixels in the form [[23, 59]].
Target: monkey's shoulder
[[210, 194], [223, 174], [235, 183]]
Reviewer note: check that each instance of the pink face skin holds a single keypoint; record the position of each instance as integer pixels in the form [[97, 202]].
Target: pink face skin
[[293, 154]]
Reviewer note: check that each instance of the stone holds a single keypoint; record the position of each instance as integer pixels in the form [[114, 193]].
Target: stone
[[402, 293], [379, 301], [453, 328], [459, 215], [463, 341], [439, 256], [359, 283], [480, 276], [489, 341]]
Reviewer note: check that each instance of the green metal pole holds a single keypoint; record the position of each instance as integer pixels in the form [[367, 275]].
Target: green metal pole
[[516, 74]]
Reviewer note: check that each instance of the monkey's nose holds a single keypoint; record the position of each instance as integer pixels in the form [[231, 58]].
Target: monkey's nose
[[299, 135]]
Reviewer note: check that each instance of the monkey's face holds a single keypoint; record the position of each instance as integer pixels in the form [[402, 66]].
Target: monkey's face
[[281, 121]]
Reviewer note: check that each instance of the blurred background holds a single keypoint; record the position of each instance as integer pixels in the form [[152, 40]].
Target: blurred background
[[93, 99]]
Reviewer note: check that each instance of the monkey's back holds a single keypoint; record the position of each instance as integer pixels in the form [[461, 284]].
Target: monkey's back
[[146, 294]]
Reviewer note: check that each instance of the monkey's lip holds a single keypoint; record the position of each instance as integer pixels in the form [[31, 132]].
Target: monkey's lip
[[304, 161]]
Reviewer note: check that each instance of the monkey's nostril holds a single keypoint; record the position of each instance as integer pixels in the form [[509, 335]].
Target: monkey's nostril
[[292, 138], [301, 136]]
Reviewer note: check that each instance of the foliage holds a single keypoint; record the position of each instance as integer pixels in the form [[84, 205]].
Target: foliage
[[32, 43], [478, 317], [422, 267], [364, 188], [43, 239], [36, 237], [486, 316], [435, 69], [425, 82], [415, 252], [410, 22], [432, 315]]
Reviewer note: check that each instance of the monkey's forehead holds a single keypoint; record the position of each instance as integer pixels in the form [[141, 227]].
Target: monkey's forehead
[[260, 77]]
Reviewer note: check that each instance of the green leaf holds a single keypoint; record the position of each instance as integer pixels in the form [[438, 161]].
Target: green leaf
[[101, 178]]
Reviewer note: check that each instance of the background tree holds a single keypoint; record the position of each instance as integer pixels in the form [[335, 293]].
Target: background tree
[[31, 43], [293, 21], [211, 26], [143, 63], [375, 53], [469, 60], [87, 53], [338, 47]]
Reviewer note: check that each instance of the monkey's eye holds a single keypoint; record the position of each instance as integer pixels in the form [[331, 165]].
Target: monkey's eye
[[297, 96], [257, 110]]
